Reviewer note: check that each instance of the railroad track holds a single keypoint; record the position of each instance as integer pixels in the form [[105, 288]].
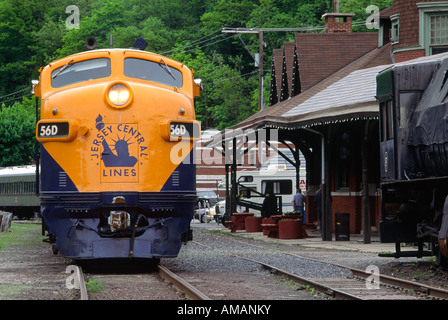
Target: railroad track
[[362, 285], [81, 283], [374, 290], [189, 290], [179, 283]]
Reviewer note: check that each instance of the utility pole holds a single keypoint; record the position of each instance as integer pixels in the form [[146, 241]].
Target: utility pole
[[260, 63], [260, 31]]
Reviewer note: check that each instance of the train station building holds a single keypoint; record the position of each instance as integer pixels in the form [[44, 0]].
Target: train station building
[[323, 102]]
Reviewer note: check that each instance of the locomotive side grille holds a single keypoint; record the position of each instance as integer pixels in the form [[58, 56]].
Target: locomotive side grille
[[70, 197], [175, 179], [62, 179], [167, 198]]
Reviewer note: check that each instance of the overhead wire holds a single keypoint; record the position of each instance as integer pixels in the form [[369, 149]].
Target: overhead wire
[[209, 37], [10, 94], [16, 98], [196, 42], [209, 44], [204, 39], [230, 78], [199, 47]]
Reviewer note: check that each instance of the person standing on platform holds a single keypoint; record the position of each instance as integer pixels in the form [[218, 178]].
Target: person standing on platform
[[298, 203], [269, 205]]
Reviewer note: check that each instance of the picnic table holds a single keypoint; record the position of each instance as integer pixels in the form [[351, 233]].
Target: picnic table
[[238, 221], [271, 225]]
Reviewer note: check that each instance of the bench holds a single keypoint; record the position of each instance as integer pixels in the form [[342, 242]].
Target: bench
[[271, 228], [238, 221]]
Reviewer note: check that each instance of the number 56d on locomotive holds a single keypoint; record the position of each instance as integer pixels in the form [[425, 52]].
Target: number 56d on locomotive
[[117, 130]]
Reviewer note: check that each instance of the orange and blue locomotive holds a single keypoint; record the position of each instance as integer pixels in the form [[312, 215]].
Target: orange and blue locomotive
[[117, 130]]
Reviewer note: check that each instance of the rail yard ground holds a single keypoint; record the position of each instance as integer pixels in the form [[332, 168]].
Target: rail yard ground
[[30, 271], [353, 253], [28, 268]]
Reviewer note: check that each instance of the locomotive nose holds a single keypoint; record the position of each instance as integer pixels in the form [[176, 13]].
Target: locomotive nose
[[118, 95]]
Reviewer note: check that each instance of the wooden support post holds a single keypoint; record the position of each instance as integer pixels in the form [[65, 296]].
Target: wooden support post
[[365, 191]]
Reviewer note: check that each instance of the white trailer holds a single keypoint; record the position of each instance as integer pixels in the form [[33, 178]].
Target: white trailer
[[254, 184], [252, 187]]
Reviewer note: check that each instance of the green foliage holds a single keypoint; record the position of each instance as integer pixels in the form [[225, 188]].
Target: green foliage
[[94, 285], [21, 235], [229, 13], [33, 33], [358, 7], [17, 129]]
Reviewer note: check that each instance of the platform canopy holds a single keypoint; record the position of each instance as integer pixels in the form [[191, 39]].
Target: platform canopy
[[347, 95]]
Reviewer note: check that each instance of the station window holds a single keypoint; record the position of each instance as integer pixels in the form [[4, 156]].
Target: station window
[[433, 26], [438, 33], [395, 28]]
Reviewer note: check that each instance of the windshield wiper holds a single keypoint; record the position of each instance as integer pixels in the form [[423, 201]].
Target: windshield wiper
[[167, 69], [65, 66]]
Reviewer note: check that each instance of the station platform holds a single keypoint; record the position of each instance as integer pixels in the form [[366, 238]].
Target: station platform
[[314, 240]]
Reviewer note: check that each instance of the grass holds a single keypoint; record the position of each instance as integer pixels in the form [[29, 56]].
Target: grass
[[21, 235], [419, 275], [9, 291], [94, 285]]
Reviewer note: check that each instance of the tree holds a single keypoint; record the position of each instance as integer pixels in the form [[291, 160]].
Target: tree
[[156, 34], [33, 33], [17, 22], [106, 16], [227, 95], [228, 13], [358, 7], [17, 131]]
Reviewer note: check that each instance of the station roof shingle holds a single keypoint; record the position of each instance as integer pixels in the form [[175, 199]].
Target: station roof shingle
[[325, 99], [358, 87]]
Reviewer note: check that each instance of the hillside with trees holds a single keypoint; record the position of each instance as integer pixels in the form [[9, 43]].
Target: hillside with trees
[[34, 33]]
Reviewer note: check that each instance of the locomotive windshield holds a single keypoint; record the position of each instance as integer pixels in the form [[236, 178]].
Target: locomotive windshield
[[81, 71], [153, 71]]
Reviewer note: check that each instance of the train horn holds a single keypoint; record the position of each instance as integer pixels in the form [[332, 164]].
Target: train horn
[[90, 43]]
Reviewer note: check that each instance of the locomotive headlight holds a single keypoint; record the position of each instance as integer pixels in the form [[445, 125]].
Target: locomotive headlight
[[119, 95]]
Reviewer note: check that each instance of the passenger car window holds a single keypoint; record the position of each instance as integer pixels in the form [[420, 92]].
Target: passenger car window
[[153, 71], [71, 73]]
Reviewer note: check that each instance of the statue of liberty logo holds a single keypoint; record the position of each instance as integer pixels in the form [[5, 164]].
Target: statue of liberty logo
[[117, 154]]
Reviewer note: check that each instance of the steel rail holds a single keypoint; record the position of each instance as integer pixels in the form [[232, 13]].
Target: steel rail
[[393, 281], [406, 284], [339, 294], [383, 279], [335, 293], [82, 284], [191, 292]]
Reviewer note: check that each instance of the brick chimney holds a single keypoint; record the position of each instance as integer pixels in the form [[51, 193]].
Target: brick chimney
[[338, 22]]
